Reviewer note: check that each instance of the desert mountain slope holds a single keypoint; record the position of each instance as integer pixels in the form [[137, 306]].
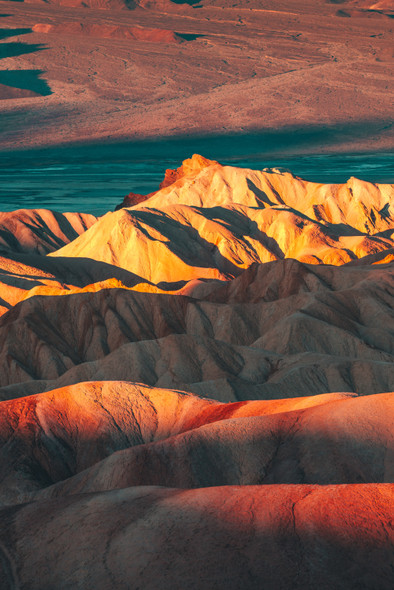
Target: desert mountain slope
[[76, 427], [243, 536], [122, 462], [39, 231], [212, 221], [97, 308], [55, 435], [280, 329], [322, 442]]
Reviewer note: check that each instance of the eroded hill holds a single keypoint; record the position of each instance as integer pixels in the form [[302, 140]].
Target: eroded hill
[[197, 388]]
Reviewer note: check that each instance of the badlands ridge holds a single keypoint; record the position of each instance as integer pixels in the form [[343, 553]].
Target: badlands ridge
[[196, 388]]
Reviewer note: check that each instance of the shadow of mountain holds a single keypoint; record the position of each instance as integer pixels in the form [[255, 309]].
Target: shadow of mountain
[[246, 226], [261, 196], [26, 80], [5, 33], [189, 2], [23, 80], [254, 148], [17, 48], [213, 461], [384, 12], [385, 234], [185, 241], [84, 272], [188, 36]]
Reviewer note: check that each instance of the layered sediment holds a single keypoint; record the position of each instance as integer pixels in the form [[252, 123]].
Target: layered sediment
[[197, 388]]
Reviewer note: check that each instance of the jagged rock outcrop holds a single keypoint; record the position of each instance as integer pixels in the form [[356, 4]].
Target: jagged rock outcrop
[[200, 182]]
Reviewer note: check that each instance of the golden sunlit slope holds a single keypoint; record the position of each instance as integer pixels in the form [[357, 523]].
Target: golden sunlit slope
[[212, 221], [24, 275]]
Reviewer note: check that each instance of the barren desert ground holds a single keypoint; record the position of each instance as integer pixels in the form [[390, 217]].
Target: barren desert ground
[[196, 295], [74, 73]]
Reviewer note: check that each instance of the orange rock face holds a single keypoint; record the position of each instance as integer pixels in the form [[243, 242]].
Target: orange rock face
[[191, 166], [111, 32], [197, 390]]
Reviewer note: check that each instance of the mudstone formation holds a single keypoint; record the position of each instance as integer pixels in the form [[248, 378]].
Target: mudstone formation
[[196, 388]]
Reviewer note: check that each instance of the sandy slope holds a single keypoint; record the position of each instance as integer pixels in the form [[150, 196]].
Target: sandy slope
[[241, 66]]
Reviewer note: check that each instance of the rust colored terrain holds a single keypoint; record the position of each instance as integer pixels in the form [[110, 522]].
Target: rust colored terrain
[[76, 71]]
